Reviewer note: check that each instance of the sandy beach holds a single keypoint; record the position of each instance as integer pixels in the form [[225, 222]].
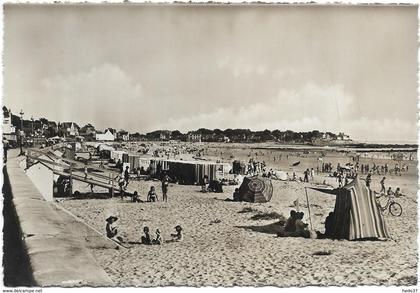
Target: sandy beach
[[224, 246]]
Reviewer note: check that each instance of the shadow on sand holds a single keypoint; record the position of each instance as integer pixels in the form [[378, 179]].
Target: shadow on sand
[[273, 228], [88, 195]]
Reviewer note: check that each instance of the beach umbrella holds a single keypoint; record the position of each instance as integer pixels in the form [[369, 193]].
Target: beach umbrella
[[256, 189]]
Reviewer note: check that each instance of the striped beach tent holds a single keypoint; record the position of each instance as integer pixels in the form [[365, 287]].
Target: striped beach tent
[[356, 213]]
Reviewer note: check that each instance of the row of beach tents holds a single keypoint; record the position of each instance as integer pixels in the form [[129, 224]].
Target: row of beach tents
[[185, 172]]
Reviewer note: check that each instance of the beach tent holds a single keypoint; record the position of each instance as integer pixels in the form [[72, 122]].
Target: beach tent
[[238, 167], [134, 161], [209, 170], [356, 213], [256, 189], [187, 172], [183, 172], [144, 162], [119, 156], [224, 169], [125, 158]]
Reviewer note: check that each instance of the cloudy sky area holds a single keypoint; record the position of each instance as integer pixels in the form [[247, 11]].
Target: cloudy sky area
[[143, 68]]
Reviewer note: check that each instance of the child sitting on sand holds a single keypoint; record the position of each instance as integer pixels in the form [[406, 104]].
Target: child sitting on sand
[[204, 187], [398, 192], [146, 238], [290, 225], [158, 239], [135, 197], [152, 196], [236, 195], [178, 236]]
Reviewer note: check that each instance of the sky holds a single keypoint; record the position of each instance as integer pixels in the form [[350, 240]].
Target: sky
[[349, 69]]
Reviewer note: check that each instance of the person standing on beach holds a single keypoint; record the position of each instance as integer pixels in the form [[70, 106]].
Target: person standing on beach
[[383, 185], [119, 165], [85, 171], [121, 183], [5, 149], [165, 185], [126, 176], [306, 175], [340, 180], [368, 180]]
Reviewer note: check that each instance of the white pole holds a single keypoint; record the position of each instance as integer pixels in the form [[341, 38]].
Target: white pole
[[309, 209]]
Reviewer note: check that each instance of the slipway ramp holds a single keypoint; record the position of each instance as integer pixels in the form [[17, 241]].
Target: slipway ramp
[[96, 179]]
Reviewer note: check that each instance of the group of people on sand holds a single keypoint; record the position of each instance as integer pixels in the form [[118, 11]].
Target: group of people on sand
[[382, 169], [255, 167], [151, 195], [270, 174], [327, 167], [396, 193], [294, 226], [384, 191], [147, 240], [308, 174], [111, 229]]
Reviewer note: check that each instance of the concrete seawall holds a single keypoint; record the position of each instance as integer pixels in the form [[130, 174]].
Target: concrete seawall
[[57, 256]]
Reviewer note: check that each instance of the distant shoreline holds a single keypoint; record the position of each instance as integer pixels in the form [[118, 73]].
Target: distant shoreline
[[360, 147]]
